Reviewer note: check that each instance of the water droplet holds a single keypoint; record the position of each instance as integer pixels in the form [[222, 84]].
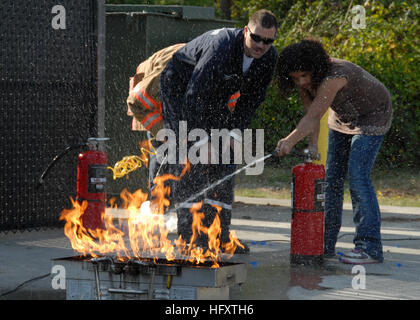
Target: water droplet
[[254, 264]]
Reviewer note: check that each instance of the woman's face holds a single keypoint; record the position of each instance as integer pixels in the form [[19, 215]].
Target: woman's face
[[302, 79]]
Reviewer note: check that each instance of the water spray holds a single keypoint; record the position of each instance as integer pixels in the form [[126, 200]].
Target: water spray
[[193, 197]]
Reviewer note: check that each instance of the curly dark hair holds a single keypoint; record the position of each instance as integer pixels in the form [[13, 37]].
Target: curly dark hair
[[306, 55]]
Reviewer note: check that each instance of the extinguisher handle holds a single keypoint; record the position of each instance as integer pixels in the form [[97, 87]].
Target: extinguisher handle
[[305, 154], [93, 143], [98, 139]]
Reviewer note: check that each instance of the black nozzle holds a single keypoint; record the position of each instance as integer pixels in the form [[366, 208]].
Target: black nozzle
[[56, 158]]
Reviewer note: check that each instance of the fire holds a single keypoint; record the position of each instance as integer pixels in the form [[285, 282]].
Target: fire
[[145, 233], [92, 242]]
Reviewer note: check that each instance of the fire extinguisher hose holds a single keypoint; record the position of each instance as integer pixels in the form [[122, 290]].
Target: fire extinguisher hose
[[56, 158]]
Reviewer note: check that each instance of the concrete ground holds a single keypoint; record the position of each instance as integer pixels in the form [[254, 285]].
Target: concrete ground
[[265, 225]]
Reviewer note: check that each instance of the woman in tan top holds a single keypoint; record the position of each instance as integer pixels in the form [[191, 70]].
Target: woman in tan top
[[360, 115]]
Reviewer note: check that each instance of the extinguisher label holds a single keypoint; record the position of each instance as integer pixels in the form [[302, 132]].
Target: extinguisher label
[[319, 200], [97, 178]]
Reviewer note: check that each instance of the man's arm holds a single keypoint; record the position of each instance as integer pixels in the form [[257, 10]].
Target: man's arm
[[255, 94], [202, 87]]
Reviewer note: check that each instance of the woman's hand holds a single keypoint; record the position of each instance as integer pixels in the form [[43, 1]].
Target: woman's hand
[[283, 147], [313, 150]]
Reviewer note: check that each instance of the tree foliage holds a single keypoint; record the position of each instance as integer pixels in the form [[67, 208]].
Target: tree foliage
[[200, 3], [388, 47]]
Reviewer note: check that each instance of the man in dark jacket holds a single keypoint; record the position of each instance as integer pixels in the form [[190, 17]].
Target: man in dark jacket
[[216, 81]]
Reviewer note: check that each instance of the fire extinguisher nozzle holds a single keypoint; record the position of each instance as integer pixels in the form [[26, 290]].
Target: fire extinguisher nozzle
[[56, 158]]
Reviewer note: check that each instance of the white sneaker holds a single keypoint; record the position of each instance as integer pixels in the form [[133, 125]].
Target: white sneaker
[[357, 256]]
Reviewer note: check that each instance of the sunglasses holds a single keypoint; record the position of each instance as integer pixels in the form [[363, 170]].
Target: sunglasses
[[258, 39]]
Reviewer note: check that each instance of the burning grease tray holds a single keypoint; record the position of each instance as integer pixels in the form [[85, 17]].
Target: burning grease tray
[[90, 278]]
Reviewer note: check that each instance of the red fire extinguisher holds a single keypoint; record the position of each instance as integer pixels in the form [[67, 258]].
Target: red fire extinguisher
[[308, 201], [91, 179]]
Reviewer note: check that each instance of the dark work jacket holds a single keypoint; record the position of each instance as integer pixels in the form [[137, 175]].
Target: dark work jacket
[[201, 77]]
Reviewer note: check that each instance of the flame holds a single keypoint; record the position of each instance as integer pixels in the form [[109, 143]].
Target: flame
[[92, 242], [145, 233]]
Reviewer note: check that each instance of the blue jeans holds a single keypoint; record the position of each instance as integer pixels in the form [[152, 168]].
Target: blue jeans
[[353, 155]]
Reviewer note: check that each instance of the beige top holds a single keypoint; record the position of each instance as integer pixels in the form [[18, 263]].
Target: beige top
[[363, 105], [144, 100]]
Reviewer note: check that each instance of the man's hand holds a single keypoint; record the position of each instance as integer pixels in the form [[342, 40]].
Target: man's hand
[[283, 147]]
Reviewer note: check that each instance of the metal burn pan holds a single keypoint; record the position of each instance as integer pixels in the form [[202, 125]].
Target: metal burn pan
[[146, 278]]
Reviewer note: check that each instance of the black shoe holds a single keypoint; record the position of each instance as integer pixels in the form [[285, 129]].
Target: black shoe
[[330, 257]]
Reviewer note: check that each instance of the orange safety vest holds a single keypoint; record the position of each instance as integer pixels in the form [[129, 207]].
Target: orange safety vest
[[233, 100], [143, 102]]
